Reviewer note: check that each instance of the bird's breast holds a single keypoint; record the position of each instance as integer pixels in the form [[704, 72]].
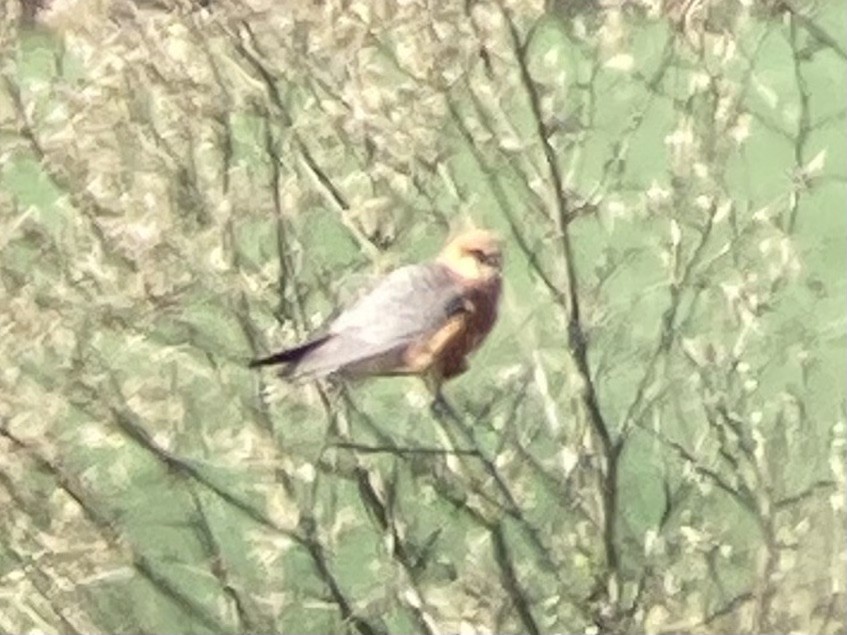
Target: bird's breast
[[478, 324]]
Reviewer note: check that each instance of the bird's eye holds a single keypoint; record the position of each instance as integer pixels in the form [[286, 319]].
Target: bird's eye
[[492, 260]]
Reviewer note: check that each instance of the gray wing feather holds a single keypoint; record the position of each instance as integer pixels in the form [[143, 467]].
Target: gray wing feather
[[407, 304]]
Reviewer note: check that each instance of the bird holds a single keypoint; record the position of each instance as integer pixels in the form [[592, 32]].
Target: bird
[[421, 319]]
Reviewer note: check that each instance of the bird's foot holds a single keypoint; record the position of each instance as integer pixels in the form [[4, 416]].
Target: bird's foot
[[441, 408]]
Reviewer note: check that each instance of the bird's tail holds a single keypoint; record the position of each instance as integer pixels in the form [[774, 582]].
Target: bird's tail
[[288, 356]]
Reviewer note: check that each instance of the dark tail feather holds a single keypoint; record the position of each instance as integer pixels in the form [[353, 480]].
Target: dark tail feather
[[289, 356]]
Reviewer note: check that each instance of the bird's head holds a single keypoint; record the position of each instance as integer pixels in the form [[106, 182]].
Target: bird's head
[[476, 254]]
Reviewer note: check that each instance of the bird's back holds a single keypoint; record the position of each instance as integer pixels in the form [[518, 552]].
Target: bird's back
[[371, 336]]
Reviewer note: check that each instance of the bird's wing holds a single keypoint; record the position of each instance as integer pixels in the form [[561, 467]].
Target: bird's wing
[[409, 301], [408, 304]]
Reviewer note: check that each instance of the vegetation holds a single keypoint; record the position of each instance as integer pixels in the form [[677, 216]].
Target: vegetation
[[651, 441]]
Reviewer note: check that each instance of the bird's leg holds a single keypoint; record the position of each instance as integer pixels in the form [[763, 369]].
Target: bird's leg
[[440, 407]]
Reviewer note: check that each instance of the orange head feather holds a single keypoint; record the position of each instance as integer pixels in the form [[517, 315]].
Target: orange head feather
[[476, 254]]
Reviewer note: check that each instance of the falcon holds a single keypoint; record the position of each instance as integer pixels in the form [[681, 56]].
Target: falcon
[[422, 319]]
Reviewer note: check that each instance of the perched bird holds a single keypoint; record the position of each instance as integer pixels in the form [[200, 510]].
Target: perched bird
[[421, 319]]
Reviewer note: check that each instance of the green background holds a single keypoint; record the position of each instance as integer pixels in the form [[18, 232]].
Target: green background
[[185, 187]]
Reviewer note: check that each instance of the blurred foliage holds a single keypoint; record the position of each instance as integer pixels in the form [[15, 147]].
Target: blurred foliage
[[651, 441]]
